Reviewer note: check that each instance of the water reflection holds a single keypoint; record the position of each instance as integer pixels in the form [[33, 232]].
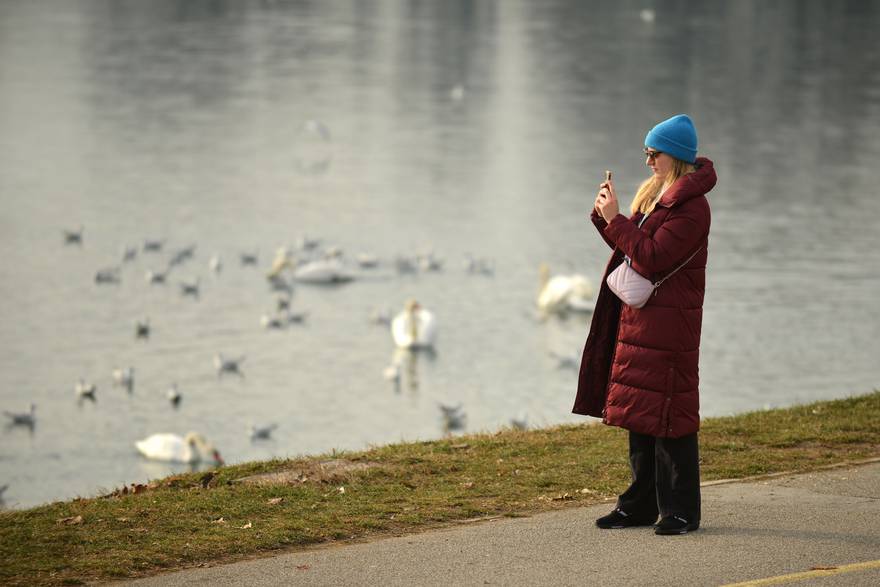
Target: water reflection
[[407, 360], [393, 127]]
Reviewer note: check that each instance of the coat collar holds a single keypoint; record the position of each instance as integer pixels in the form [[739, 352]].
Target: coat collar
[[698, 183]]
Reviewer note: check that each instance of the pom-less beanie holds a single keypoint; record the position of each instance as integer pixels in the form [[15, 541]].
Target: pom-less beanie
[[676, 137]]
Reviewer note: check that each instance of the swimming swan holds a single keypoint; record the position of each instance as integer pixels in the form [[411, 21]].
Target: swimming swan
[[414, 327], [192, 448]]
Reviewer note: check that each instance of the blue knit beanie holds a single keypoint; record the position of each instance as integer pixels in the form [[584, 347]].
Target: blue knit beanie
[[676, 137]]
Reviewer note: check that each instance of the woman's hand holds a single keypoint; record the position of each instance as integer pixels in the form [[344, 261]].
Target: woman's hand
[[606, 201]]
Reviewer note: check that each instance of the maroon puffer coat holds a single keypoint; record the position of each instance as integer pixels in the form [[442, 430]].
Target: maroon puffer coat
[[640, 366]]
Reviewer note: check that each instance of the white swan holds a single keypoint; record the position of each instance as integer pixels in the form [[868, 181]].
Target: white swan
[[564, 292], [323, 271], [283, 260], [414, 327], [124, 377], [192, 448]]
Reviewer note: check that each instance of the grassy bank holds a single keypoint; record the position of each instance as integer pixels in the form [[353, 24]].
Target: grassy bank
[[258, 508]]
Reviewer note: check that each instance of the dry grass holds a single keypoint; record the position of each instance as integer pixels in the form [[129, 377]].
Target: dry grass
[[257, 508]]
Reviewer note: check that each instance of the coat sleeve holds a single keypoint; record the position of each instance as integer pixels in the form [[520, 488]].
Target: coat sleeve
[[683, 228], [600, 224]]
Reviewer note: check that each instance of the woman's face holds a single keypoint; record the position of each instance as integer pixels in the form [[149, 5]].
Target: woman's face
[[659, 162]]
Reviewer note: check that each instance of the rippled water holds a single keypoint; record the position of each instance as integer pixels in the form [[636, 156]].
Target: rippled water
[[464, 128]]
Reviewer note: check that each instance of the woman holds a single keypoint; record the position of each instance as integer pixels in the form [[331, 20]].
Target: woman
[[639, 369]]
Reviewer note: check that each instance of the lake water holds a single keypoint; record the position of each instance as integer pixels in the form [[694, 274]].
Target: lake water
[[456, 127]]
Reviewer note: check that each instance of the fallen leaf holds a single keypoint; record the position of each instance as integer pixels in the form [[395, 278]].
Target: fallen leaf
[[562, 497], [275, 500], [71, 521], [122, 519], [246, 526], [585, 490], [219, 520], [468, 485], [303, 567], [341, 490]]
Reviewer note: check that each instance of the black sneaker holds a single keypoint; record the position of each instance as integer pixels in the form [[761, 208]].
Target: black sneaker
[[675, 525], [620, 519]]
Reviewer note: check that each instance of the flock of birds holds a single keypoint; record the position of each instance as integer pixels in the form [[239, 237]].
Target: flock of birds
[[412, 329]]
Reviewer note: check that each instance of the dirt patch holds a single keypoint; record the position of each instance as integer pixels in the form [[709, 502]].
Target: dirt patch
[[331, 471]]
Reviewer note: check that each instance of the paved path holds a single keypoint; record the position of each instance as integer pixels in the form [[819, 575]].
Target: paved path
[[773, 529]]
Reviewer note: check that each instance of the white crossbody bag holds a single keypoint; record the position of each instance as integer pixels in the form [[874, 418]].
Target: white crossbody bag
[[632, 288]]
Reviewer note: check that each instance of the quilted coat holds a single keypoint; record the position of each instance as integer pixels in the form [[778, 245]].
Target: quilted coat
[[640, 366]]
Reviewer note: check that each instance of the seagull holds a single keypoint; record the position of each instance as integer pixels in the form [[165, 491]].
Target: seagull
[[157, 276], [182, 255], [129, 254], [85, 390], [109, 275], [173, 395], [262, 432], [453, 416], [283, 302], [23, 418], [305, 243], [124, 378], [142, 328], [520, 423], [215, 264], [428, 262], [73, 237], [248, 258], [479, 266], [279, 284], [224, 365], [153, 245], [272, 323], [296, 317], [190, 289]]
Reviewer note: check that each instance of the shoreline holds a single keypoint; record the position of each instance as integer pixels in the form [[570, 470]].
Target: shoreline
[[257, 509]]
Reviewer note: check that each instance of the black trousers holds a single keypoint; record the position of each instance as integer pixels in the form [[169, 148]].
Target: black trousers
[[666, 477]]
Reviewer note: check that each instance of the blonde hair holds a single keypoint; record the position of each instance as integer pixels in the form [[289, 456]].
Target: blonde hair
[[649, 192]]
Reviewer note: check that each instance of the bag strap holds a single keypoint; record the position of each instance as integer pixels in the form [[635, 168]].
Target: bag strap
[[668, 275]]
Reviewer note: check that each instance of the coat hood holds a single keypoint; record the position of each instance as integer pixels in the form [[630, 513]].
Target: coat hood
[[698, 183]]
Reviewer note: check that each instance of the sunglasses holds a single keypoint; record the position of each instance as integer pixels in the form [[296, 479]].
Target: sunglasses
[[652, 154]]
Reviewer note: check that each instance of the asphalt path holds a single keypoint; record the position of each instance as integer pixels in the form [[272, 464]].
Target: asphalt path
[[816, 529]]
